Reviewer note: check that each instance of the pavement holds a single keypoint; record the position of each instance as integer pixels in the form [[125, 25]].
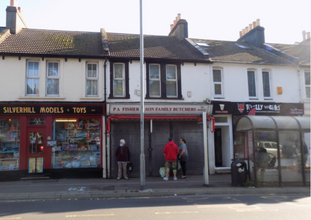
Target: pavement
[[112, 188]]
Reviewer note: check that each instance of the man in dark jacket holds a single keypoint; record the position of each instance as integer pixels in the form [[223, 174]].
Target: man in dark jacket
[[170, 152], [123, 158]]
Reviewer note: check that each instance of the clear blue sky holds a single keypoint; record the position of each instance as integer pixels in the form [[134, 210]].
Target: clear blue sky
[[283, 20]]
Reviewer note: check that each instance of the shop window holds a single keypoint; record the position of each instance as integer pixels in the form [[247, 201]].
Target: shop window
[[78, 143], [52, 78], [9, 144], [307, 84], [32, 78], [36, 121], [266, 84], [251, 77], [91, 79], [163, 81], [217, 80], [119, 83]]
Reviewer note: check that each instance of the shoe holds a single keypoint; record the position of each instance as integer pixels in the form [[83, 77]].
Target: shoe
[[118, 178], [183, 177], [165, 178], [126, 178], [175, 178]]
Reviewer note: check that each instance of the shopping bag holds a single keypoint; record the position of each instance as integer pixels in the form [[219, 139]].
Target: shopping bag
[[162, 171], [178, 165], [130, 167]]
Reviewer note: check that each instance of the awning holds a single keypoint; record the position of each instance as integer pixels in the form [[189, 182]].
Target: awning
[[155, 117], [273, 122]]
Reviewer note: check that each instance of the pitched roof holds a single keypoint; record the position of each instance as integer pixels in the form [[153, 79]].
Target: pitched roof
[[53, 42], [156, 47], [238, 52], [300, 51]]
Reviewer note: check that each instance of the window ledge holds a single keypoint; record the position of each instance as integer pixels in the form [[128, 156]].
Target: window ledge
[[253, 98], [268, 99], [90, 98], [219, 97], [38, 97]]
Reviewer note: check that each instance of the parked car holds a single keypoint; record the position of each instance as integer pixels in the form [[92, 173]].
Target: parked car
[[271, 147]]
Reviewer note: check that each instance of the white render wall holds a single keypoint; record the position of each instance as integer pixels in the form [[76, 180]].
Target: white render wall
[[72, 82], [235, 83]]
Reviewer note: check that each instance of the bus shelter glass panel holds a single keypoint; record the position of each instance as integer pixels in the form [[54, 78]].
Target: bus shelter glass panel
[[266, 157], [291, 169], [306, 157]]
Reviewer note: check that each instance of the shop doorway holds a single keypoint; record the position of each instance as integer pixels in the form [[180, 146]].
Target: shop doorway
[[218, 147], [36, 147]]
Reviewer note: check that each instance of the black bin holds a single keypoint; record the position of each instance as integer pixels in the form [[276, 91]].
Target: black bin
[[238, 173]]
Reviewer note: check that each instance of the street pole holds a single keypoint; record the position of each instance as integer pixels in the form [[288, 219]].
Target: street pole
[[205, 174], [142, 107]]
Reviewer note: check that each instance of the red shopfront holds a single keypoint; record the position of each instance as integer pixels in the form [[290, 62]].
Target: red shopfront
[[50, 140]]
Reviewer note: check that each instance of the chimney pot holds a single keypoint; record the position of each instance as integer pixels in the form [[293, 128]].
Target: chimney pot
[[241, 33], [175, 22], [12, 3], [254, 24], [250, 26], [246, 29], [303, 35], [172, 26], [179, 16], [308, 35], [258, 22]]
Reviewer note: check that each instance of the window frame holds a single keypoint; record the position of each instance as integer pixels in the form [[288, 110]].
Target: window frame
[[159, 80], [126, 79], [218, 83], [263, 83], [171, 80], [163, 80], [87, 78], [52, 77], [305, 83], [32, 77], [255, 84]]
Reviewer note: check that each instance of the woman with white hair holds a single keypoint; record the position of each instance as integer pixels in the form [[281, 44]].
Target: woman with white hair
[[123, 158]]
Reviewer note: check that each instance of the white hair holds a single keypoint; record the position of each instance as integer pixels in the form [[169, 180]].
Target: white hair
[[123, 141]]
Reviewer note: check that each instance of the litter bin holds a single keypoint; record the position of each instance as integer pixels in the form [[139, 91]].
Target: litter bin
[[238, 173]]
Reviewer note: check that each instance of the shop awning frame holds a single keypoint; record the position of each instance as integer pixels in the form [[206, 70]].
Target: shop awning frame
[[154, 117]]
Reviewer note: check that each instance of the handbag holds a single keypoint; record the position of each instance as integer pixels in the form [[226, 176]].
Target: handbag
[[130, 167]]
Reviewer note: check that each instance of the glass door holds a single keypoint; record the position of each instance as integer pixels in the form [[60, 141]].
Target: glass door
[[36, 150]]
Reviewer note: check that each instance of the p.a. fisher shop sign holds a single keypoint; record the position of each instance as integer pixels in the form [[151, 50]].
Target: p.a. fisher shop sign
[[115, 109], [59, 110]]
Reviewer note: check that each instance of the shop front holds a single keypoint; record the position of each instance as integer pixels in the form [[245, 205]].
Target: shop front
[[161, 121], [227, 114], [50, 140]]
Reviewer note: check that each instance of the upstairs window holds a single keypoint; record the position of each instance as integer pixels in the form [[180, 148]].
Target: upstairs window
[[217, 81], [91, 79], [119, 80], [154, 80], [163, 81], [266, 84], [307, 83], [52, 78], [32, 78], [251, 77], [171, 81]]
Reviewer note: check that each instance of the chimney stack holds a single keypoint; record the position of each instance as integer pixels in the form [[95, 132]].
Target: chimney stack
[[179, 28], [253, 34], [14, 19]]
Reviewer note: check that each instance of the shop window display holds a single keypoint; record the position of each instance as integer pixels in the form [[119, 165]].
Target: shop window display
[[9, 144], [78, 143]]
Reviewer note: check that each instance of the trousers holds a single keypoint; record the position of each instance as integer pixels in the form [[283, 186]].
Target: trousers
[[122, 168]]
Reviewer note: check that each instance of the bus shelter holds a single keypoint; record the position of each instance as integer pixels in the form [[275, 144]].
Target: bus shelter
[[276, 149]]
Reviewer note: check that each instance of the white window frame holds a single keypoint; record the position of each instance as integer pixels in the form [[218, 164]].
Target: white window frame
[[88, 78], [218, 83], [305, 85], [255, 82], [117, 79], [32, 77], [172, 80], [52, 77], [263, 86], [159, 80]]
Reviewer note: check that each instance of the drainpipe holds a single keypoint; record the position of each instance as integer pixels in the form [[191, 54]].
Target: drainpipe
[[299, 80], [105, 96]]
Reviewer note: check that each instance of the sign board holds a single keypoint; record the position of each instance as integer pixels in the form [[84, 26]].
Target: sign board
[[115, 109], [51, 143]]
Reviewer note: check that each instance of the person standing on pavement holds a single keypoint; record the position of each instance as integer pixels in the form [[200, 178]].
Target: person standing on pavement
[[123, 158], [183, 157], [170, 152]]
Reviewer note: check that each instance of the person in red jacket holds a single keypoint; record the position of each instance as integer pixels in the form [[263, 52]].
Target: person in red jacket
[[170, 152]]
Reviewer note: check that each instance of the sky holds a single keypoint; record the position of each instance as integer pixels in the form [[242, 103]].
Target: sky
[[283, 20]]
